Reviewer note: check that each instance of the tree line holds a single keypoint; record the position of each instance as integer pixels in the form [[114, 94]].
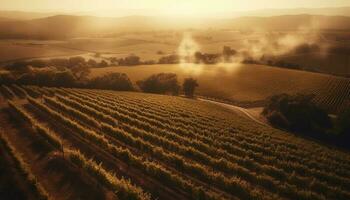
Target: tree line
[[78, 76], [299, 114]]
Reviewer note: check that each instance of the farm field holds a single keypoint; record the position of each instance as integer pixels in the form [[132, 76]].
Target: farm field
[[326, 63], [144, 45], [27, 49], [249, 85], [167, 147]]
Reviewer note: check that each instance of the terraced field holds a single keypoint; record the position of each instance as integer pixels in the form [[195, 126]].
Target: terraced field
[[147, 146]]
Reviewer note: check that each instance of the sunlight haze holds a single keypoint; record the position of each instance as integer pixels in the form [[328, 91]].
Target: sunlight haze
[[161, 7]]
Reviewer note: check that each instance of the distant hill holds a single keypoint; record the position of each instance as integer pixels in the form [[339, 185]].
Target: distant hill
[[22, 15], [329, 11], [288, 22], [2, 19], [67, 26]]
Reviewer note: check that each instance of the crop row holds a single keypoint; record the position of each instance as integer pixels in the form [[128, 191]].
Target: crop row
[[228, 148], [148, 167], [24, 168], [217, 163], [124, 188]]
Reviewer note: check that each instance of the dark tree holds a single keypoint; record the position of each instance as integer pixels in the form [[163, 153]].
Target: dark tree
[[297, 113], [227, 53], [80, 71], [78, 60], [103, 63], [189, 87], [64, 79], [92, 63], [160, 83], [343, 124], [171, 59], [112, 81], [130, 60]]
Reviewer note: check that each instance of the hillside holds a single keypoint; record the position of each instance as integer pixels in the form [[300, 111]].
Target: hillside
[[249, 85], [164, 145], [330, 11], [23, 15], [68, 26], [289, 22]]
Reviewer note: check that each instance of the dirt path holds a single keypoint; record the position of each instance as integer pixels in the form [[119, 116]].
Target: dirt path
[[253, 113]]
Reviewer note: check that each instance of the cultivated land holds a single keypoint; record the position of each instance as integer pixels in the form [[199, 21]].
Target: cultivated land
[[147, 46], [171, 147], [249, 85]]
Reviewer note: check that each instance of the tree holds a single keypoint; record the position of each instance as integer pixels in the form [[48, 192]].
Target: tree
[[189, 87], [227, 53], [103, 63], [130, 60], [343, 123], [92, 63], [112, 81], [160, 83], [78, 60], [171, 59], [80, 71], [297, 113], [64, 79]]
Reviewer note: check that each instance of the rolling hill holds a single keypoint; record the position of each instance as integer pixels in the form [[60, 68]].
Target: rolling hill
[[68, 26], [24, 15], [167, 147], [329, 11], [249, 85]]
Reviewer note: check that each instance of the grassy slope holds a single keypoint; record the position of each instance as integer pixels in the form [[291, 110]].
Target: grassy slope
[[240, 83]]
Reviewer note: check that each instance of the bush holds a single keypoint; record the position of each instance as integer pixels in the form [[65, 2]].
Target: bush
[[113, 81], [296, 113], [160, 83]]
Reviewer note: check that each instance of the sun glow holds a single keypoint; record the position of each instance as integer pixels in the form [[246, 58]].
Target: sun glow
[[197, 8]]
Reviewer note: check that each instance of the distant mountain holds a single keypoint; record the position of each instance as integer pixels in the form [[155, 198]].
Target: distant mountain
[[288, 22], [67, 26], [22, 15], [328, 11], [2, 19]]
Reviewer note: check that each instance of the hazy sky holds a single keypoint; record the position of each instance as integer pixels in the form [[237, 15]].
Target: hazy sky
[[164, 6]]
